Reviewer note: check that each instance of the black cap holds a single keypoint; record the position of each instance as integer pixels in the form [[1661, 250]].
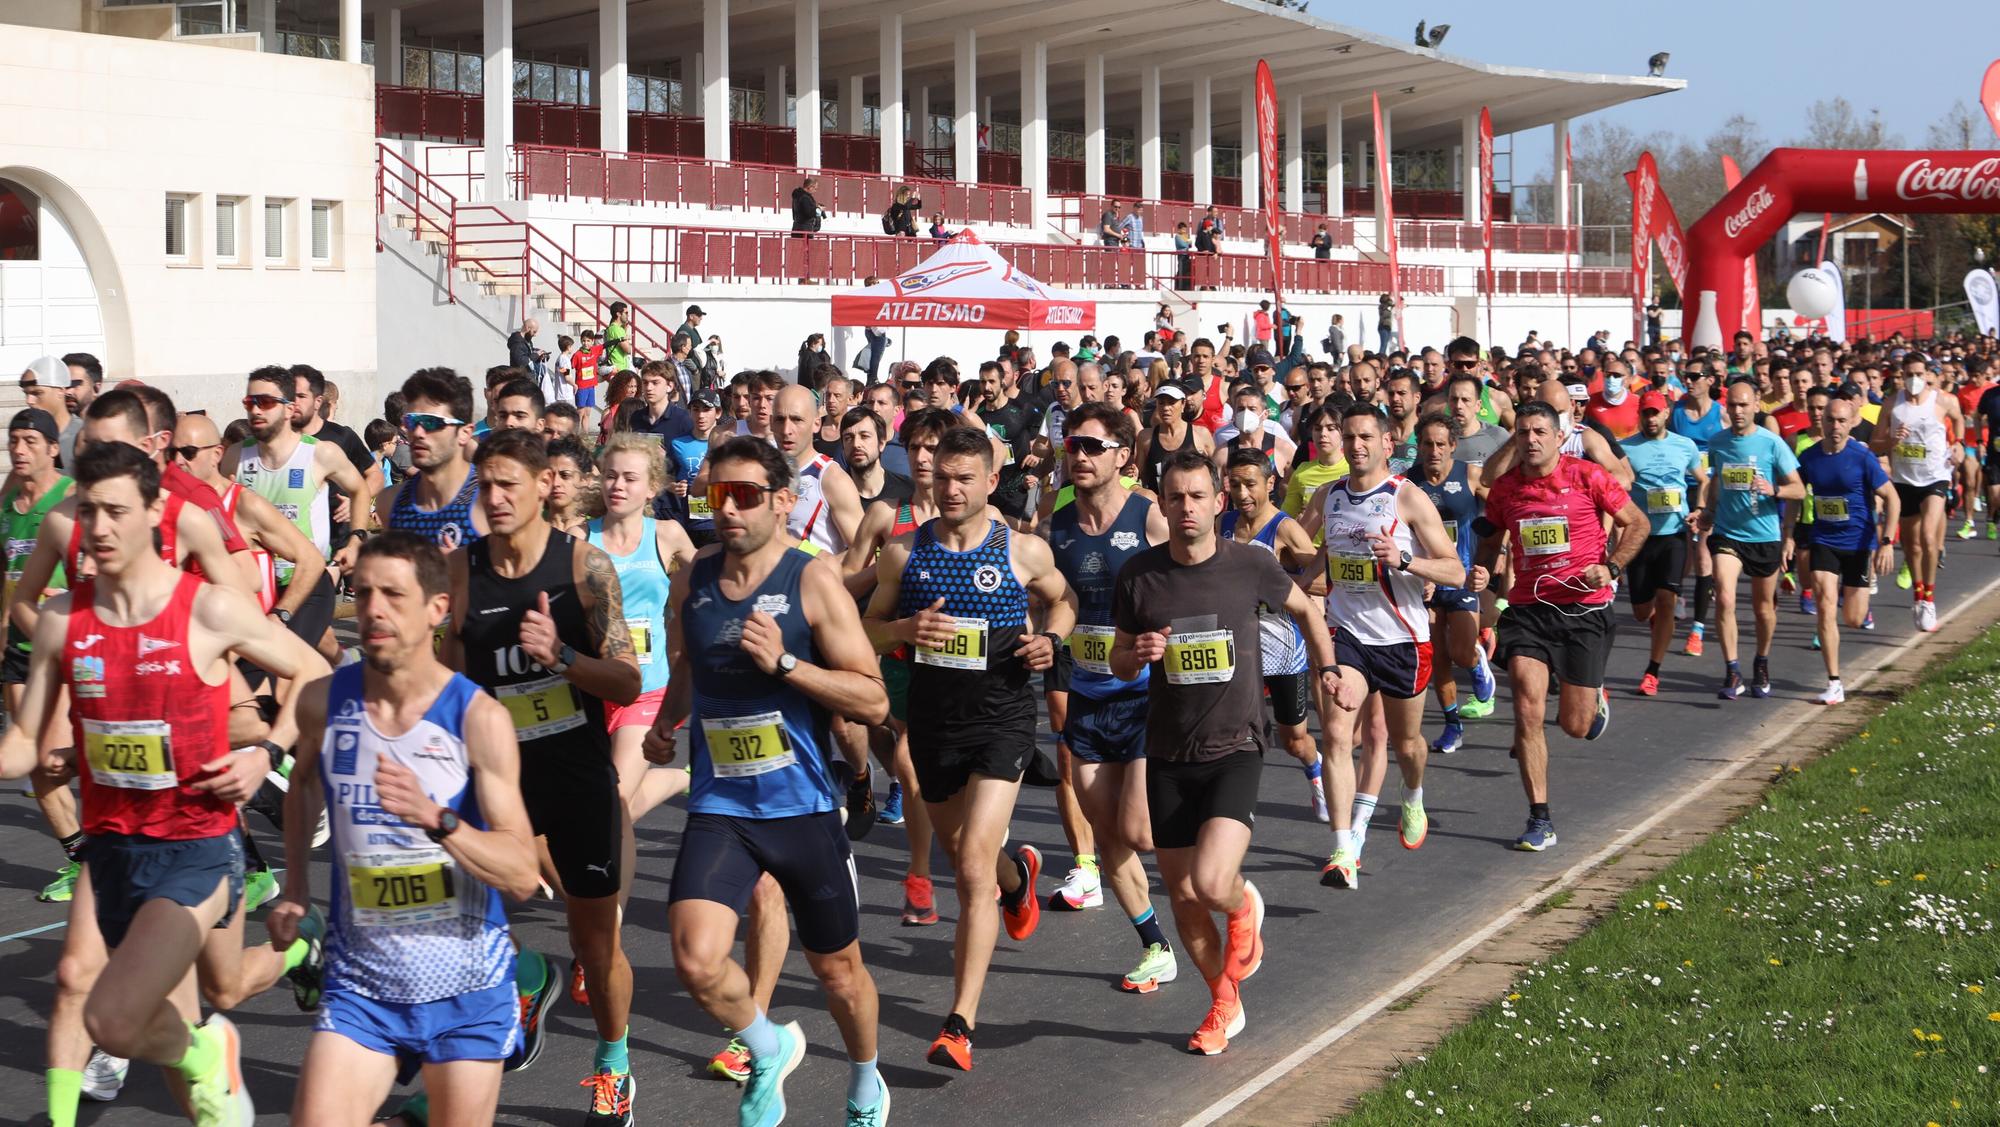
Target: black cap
[[37, 420], [696, 311], [706, 397]]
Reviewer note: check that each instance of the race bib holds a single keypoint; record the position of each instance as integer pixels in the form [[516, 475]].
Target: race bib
[[130, 754], [1090, 648], [541, 708], [1451, 531], [965, 650], [1355, 573], [1545, 536], [1704, 461], [1739, 475], [1912, 451], [642, 639], [400, 888], [1663, 500], [698, 508], [1203, 658], [743, 746], [1832, 510]]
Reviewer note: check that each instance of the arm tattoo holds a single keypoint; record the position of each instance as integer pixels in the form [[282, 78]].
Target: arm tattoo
[[606, 619]]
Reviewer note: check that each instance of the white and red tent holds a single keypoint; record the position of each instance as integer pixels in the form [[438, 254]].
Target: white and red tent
[[965, 285]]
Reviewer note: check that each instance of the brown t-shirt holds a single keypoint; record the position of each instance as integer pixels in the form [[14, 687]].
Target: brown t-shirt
[[1207, 693]]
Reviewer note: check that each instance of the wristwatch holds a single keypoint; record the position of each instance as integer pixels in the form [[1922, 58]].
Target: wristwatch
[[786, 663], [284, 615], [275, 750], [447, 825], [564, 659], [1404, 563], [1055, 639], [1617, 572], [1333, 669]]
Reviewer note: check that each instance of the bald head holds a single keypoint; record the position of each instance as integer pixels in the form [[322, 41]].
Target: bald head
[[1553, 393], [196, 430], [197, 448], [794, 417]]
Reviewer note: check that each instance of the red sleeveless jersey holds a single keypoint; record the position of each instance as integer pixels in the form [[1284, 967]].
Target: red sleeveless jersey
[[267, 575], [144, 722]]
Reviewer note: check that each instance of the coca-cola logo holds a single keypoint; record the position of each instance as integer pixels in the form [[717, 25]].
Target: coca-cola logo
[[1759, 201], [1923, 180]]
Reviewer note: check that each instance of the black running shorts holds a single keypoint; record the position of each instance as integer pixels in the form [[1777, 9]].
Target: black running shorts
[[1181, 796]]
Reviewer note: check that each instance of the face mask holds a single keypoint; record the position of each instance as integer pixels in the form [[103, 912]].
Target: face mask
[[1563, 425], [1249, 422], [1917, 385], [1614, 391]]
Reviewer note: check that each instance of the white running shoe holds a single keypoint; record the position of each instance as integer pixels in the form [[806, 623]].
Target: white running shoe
[[1927, 616], [1318, 801], [1082, 890], [1681, 611], [1835, 694], [104, 1076]]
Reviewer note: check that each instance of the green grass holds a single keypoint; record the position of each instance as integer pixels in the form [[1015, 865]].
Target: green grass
[[1830, 958]]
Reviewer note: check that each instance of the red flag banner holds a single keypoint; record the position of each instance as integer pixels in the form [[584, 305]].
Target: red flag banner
[[1486, 209], [1573, 238], [1661, 220], [1753, 301], [1388, 233], [1267, 154], [1642, 256], [1989, 95]]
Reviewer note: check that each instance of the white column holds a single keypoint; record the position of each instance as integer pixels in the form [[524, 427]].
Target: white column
[[1468, 140], [388, 45], [1562, 173], [1364, 170], [264, 21], [687, 68], [774, 94], [1383, 190], [852, 93], [350, 31], [1149, 132], [1295, 153], [891, 116], [1035, 130], [1093, 125], [1252, 167], [497, 37], [1201, 143], [1336, 181], [806, 43], [965, 105], [607, 78], [714, 78]]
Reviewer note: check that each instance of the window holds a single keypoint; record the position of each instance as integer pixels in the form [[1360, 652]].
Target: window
[[20, 219], [177, 227], [322, 231], [227, 234], [275, 215]]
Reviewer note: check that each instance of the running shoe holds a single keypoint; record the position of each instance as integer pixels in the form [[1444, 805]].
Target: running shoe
[[1869, 622], [1450, 740], [1966, 531], [579, 991], [1992, 529], [892, 815], [104, 1076], [861, 813], [309, 976], [1815, 643], [919, 904], [1540, 834], [1245, 951], [1475, 709], [875, 1116], [1680, 608], [1732, 686], [1602, 720], [1760, 682], [1414, 826], [953, 1046], [1649, 685], [1083, 889], [1316, 798], [219, 1098], [764, 1093], [534, 1007], [732, 1063], [1483, 685], [1835, 693], [63, 888], [1342, 869], [1693, 646], [1927, 617], [1788, 582], [1808, 604], [1903, 577], [1157, 968], [259, 889], [1024, 917], [1224, 1020], [610, 1099]]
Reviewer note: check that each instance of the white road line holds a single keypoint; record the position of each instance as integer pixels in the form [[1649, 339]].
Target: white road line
[[1215, 1111]]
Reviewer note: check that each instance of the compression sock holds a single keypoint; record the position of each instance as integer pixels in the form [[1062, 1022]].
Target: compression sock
[[1147, 924], [1314, 769], [296, 954], [1013, 899], [760, 1036], [1652, 669], [864, 1084], [204, 1053], [531, 973], [1087, 861], [611, 1055], [71, 845], [1732, 669], [1704, 593], [1451, 714], [1538, 810], [1364, 809], [65, 1093]]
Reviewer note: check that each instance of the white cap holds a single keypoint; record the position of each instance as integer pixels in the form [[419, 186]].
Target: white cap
[[47, 371]]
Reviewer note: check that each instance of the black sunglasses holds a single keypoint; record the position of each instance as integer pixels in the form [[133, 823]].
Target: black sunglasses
[[188, 453]]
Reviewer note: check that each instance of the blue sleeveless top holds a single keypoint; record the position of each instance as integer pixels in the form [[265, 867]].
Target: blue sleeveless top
[[1091, 565], [1458, 505], [977, 685], [448, 527], [642, 576]]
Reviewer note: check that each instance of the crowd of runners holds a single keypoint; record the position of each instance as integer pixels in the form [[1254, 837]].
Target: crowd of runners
[[1123, 574]]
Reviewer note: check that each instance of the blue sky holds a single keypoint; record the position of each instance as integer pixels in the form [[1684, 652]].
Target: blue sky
[[1769, 61]]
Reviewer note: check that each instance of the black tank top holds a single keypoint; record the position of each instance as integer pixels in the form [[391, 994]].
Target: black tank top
[[1156, 456], [550, 715]]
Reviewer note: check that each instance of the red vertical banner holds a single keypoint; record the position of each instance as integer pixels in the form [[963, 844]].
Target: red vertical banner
[[1753, 300], [1267, 157], [1572, 238], [1486, 209], [1387, 236], [1642, 255]]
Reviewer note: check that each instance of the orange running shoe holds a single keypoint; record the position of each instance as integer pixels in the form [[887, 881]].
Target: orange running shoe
[[1224, 1020], [732, 1063], [1245, 952], [1649, 685], [919, 905], [1026, 916], [953, 1047], [578, 991]]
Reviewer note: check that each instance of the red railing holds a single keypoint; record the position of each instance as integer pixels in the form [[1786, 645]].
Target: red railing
[[429, 115], [1160, 216], [1592, 282], [1519, 238], [641, 178], [1427, 203]]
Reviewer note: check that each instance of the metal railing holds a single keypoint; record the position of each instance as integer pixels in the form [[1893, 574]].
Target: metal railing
[[1078, 215]]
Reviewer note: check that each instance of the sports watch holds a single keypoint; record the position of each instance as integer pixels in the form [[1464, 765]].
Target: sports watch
[[447, 825]]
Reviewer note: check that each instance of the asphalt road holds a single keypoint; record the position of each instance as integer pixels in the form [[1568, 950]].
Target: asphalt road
[[1057, 1040]]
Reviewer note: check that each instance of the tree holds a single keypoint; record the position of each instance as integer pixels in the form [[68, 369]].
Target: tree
[[1832, 123]]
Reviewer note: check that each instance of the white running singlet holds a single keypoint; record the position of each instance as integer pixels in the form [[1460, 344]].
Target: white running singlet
[[812, 519], [1380, 606], [1924, 456]]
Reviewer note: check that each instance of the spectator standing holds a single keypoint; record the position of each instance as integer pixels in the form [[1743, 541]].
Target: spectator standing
[[584, 364], [1336, 339], [904, 207], [1208, 232], [691, 325], [1322, 242], [1183, 260], [521, 350], [938, 230], [1132, 229], [1260, 325], [811, 355], [1385, 322], [618, 340], [806, 212], [1109, 226]]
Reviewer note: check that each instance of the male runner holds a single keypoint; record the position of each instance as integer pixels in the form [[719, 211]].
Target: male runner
[[1401, 394], [1846, 550], [828, 513], [1453, 484], [1381, 544], [1550, 510], [438, 500], [1663, 465], [164, 859], [1921, 454], [312, 416], [1753, 470], [1092, 538], [957, 590], [777, 650], [1972, 388], [1697, 417], [421, 772], [198, 449], [686, 454], [544, 630], [1476, 439], [1185, 612]]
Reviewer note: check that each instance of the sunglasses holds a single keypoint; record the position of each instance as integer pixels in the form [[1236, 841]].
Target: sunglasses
[[742, 494], [1089, 446], [1465, 365], [425, 421], [263, 402], [189, 453], [1295, 387]]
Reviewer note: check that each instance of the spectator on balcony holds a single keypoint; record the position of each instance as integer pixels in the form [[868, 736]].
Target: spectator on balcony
[[806, 212], [1208, 232], [904, 207], [1385, 322], [1109, 226], [1132, 229], [1183, 266], [811, 355], [1322, 242], [521, 350], [938, 230], [618, 340], [1335, 341]]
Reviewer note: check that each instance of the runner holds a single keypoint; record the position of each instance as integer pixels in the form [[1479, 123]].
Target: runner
[[576, 497], [1453, 485], [828, 513], [765, 799], [1496, 407], [1921, 456], [1180, 609], [1755, 471], [1972, 388], [958, 590], [160, 783], [545, 632], [1401, 394], [438, 501], [1846, 549], [1663, 465], [1697, 417], [1382, 543], [1104, 727], [422, 776], [686, 455], [198, 449], [1550, 509]]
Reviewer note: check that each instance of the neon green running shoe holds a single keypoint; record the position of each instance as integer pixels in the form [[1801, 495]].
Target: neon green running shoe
[[1966, 531], [218, 1098], [1903, 577], [1415, 825], [1155, 970], [61, 889], [1475, 709], [259, 889]]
